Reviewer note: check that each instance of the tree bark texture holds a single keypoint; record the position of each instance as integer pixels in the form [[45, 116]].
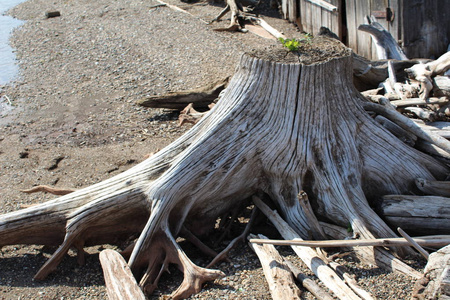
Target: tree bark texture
[[279, 128]]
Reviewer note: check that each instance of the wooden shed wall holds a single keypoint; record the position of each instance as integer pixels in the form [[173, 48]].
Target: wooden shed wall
[[422, 27], [317, 13], [425, 30], [356, 12]]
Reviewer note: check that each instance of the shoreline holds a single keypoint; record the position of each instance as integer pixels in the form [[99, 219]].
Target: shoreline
[[9, 67]]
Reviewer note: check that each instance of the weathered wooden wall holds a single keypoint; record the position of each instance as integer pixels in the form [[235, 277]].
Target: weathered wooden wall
[[422, 27], [356, 12], [317, 13], [426, 27]]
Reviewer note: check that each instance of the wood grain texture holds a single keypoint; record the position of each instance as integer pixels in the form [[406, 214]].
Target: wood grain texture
[[119, 280]]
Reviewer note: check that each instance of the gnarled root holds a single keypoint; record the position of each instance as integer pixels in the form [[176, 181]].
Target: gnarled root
[[164, 250]]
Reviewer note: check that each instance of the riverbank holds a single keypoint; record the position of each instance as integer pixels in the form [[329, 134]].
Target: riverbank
[[7, 58], [75, 123]]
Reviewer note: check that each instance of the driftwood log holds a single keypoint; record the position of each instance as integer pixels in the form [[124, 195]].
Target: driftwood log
[[277, 273], [420, 214], [280, 127], [387, 47], [120, 282], [424, 72], [202, 97], [369, 74]]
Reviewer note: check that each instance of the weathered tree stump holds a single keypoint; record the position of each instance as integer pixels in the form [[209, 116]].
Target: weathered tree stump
[[287, 122]]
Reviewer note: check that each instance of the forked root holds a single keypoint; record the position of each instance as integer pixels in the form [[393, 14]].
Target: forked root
[[165, 250]]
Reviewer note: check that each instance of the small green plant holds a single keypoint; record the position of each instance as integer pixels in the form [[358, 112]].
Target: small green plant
[[291, 44], [294, 44], [349, 227]]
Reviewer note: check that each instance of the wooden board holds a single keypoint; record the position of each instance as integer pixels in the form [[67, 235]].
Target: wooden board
[[317, 13], [426, 28]]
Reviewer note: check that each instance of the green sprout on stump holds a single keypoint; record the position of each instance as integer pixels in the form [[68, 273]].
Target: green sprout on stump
[[294, 44], [291, 44]]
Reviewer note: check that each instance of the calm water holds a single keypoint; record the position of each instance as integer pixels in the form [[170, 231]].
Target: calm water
[[8, 67]]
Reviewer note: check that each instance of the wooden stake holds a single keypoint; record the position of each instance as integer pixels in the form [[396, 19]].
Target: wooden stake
[[438, 240], [413, 243]]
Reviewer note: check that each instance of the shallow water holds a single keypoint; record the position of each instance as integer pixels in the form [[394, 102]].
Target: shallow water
[[8, 64]]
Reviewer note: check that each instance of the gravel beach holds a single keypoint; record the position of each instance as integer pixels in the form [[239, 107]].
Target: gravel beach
[[75, 122]]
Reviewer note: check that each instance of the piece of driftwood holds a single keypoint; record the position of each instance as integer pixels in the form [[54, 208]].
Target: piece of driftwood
[[384, 100], [369, 74], [277, 273], [441, 86], [435, 283], [432, 149], [236, 9], [430, 241], [308, 255], [444, 111], [409, 125], [351, 281], [403, 135], [189, 115], [423, 72], [420, 214], [179, 9], [316, 229], [200, 97], [335, 232], [387, 47], [308, 283], [440, 125], [49, 189], [419, 101], [434, 187], [413, 243], [119, 280], [261, 22], [439, 128], [422, 114], [406, 90]]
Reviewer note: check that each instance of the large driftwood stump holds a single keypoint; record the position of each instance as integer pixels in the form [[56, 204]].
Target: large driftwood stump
[[284, 124]]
